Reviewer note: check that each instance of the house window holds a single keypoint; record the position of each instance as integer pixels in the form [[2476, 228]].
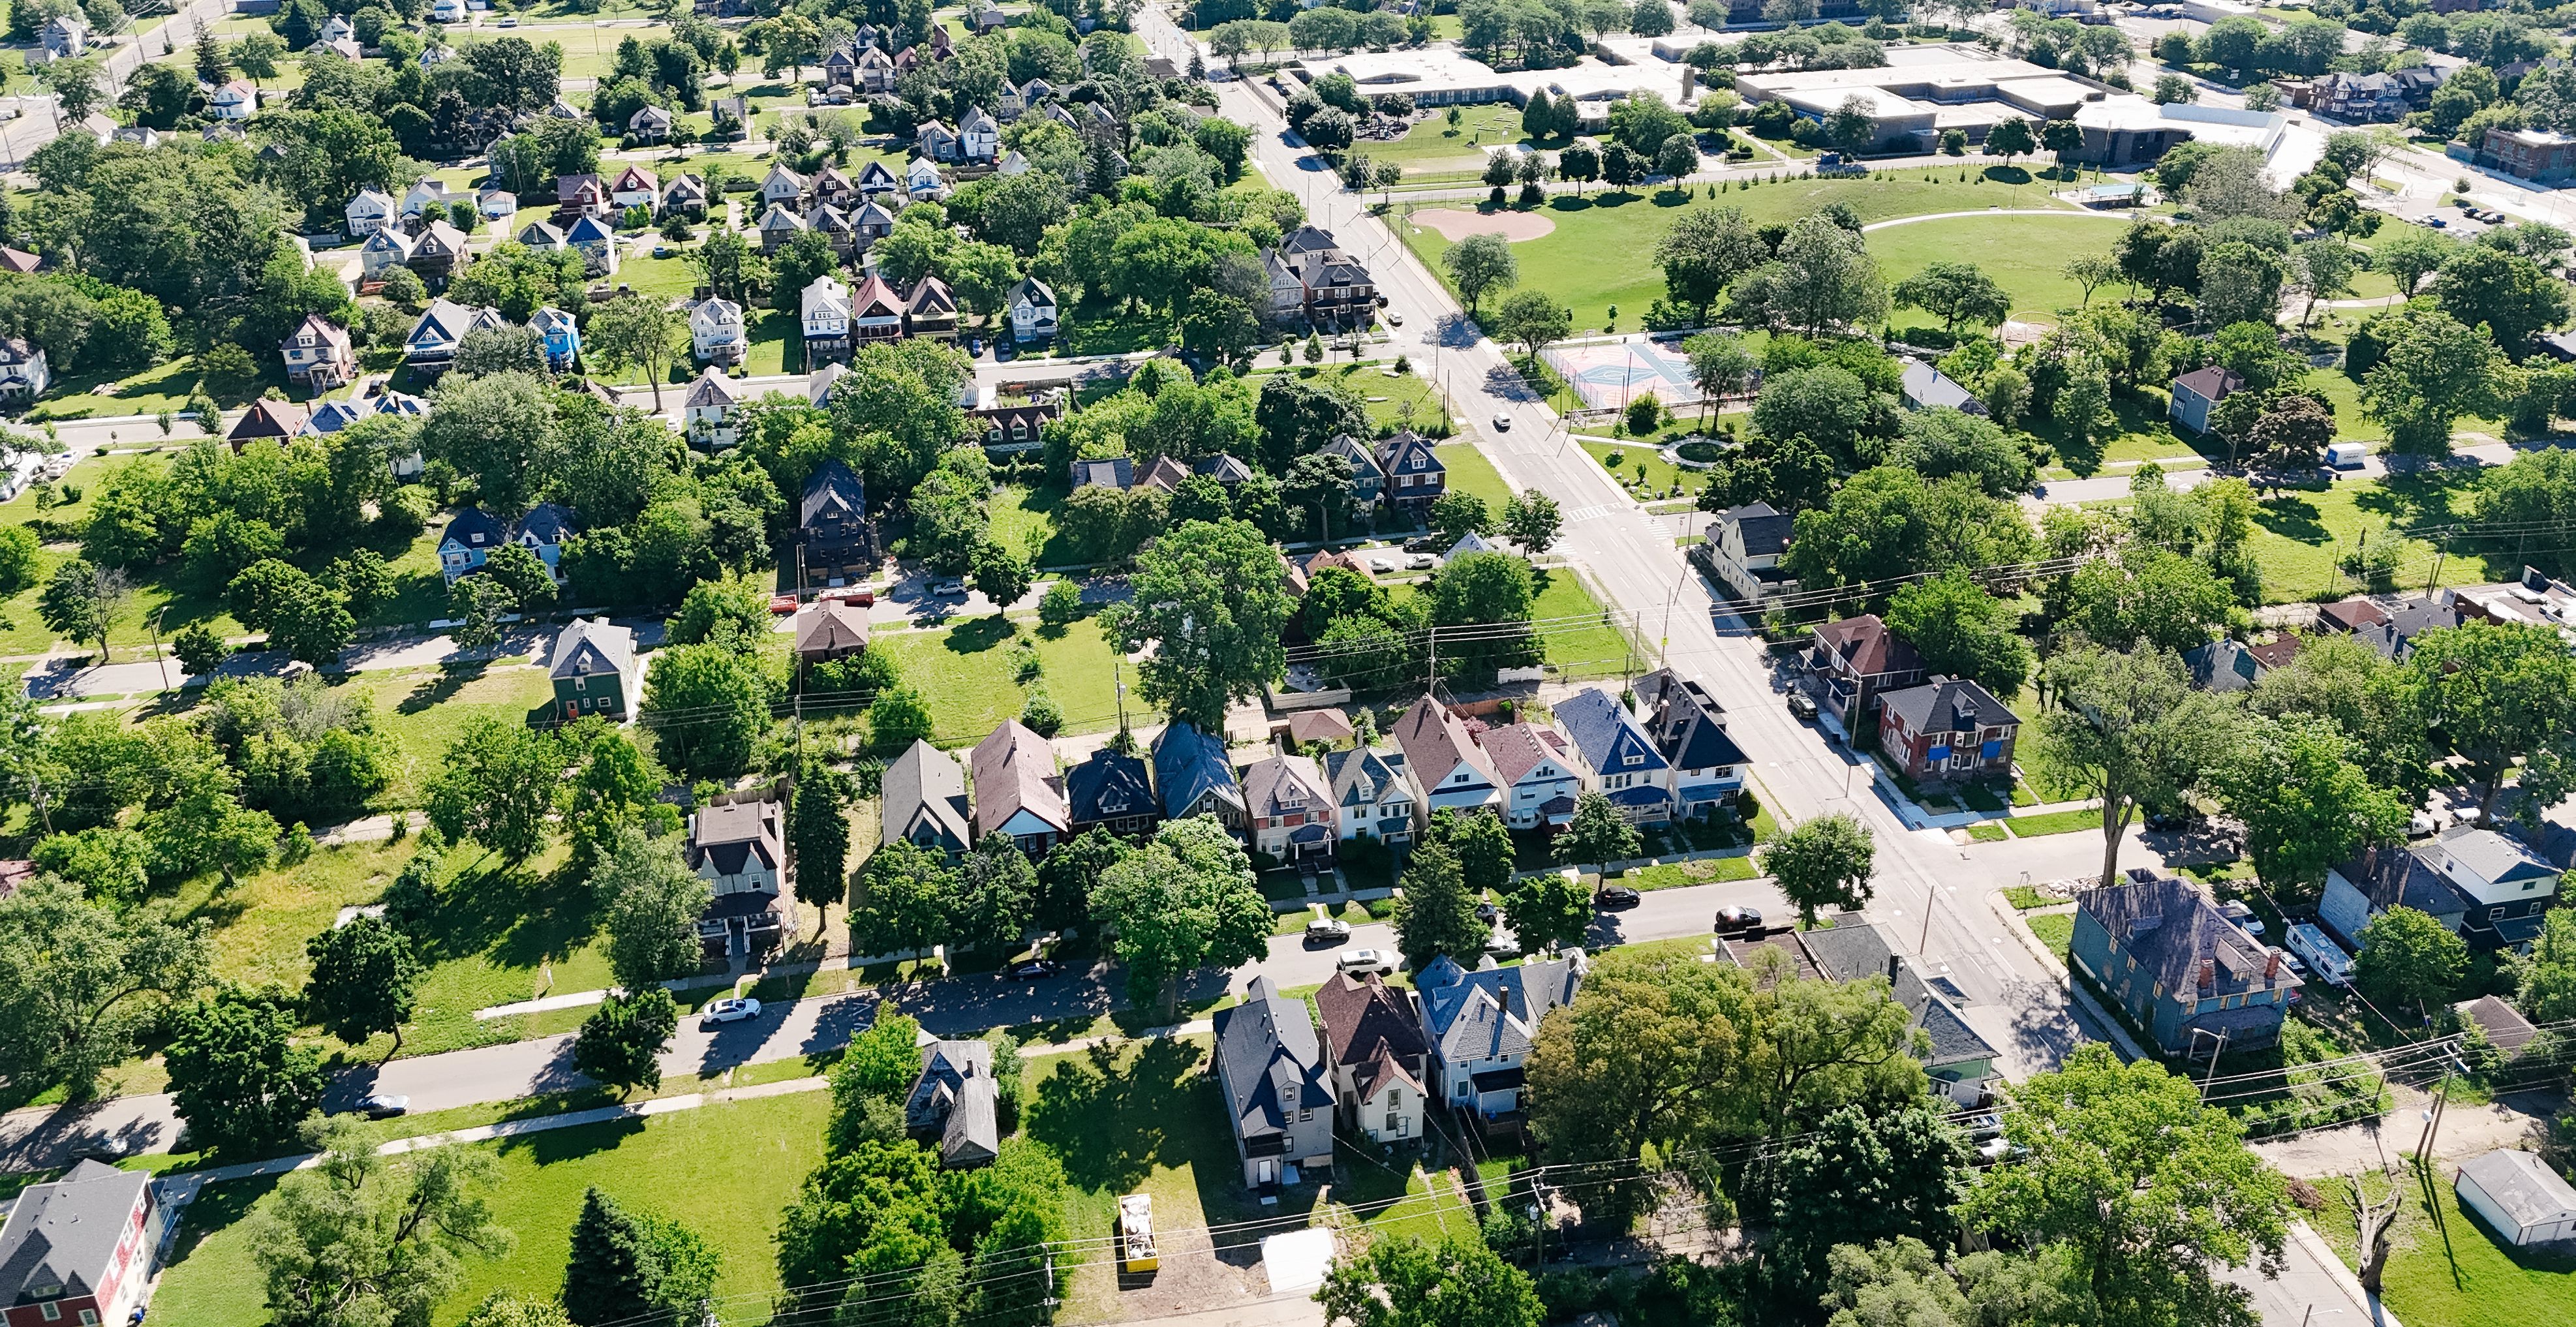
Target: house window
[[50, 1310], [89, 1318], [1305, 1116]]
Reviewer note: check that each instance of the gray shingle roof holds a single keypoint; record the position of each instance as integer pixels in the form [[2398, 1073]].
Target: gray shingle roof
[[955, 1098], [1493, 1012], [1688, 725], [592, 647], [1267, 1049], [65, 1233], [1108, 785], [925, 790], [1957, 705]]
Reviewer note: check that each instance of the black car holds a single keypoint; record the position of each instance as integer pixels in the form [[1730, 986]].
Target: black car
[[1731, 921], [1035, 968], [1614, 898]]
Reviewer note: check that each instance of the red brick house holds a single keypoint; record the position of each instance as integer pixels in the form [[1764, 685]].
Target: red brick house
[[78, 1252], [1947, 731]]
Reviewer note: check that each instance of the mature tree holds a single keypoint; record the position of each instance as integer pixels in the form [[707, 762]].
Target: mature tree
[[1955, 292], [1404, 1282], [723, 694], [1437, 913], [2149, 596], [2548, 991], [1184, 901], [493, 429], [635, 1269], [621, 1043], [1939, 442], [2305, 803], [1860, 1177], [1209, 597], [1533, 318], [2150, 1188], [902, 903], [1722, 367], [2408, 254], [84, 974], [2239, 283], [651, 901], [2507, 292], [1547, 910], [1823, 278], [818, 832], [1824, 862], [501, 1308], [1889, 522], [81, 601], [2011, 137], [2500, 697], [2431, 371], [1598, 834], [635, 332], [236, 1075], [1704, 252], [1961, 630], [367, 1239], [1484, 845], [1478, 264], [2409, 958], [995, 898], [496, 785], [365, 980], [2131, 729], [1531, 519]]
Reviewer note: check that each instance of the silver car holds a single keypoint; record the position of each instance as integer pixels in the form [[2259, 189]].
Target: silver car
[[1327, 930], [732, 1009], [1365, 962]]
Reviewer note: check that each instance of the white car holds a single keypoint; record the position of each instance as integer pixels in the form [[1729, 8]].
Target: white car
[[948, 587], [732, 1009], [1394, 319], [1364, 962], [1502, 423], [1381, 566], [1324, 930], [1421, 562]]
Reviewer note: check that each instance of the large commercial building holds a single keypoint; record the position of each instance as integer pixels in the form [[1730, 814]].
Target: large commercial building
[[1446, 76]]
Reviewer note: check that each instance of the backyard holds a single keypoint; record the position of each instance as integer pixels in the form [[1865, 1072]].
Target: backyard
[[2446, 1267]]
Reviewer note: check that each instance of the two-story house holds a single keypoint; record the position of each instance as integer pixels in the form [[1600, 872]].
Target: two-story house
[[383, 251], [2195, 394], [24, 374], [1272, 1078], [979, 139], [371, 210], [2160, 949], [542, 531], [1854, 662], [1374, 796], [1033, 310], [922, 181], [438, 251], [1192, 776], [1540, 774], [1110, 789], [596, 241], [954, 1105], [876, 313], [716, 332], [782, 187], [922, 801], [1378, 1057], [1947, 731], [829, 629], [2385, 876], [1961, 1063], [1368, 482], [593, 669], [1290, 810], [875, 181], [1414, 473], [935, 141], [635, 186], [1482, 1025], [1743, 551], [1312, 276], [542, 236], [779, 227], [1454, 773], [236, 100], [471, 538], [80, 1249], [706, 413], [1705, 767], [268, 420], [318, 355], [579, 195], [836, 541], [1017, 791], [441, 330], [559, 333], [1626, 765], [2505, 885], [826, 320], [739, 850]]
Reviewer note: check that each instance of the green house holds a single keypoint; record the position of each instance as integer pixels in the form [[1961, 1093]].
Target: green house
[[593, 669]]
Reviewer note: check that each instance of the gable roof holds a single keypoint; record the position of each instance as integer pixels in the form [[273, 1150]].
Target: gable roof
[[2172, 929], [592, 647], [1110, 472], [734, 835], [2211, 383], [1107, 785], [1435, 743], [1284, 785], [2222, 666], [1518, 748], [268, 419], [957, 1091], [1189, 764], [1014, 771], [925, 783], [1362, 1016], [1689, 727], [711, 389], [1957, 705], [1367, 776], [1868, 647], [1268, 1056], [1761, 528], [1494, 1012], [473, 527], [1603, 731], [546, 522], [833, 487], [66, 1233], [831, 626]]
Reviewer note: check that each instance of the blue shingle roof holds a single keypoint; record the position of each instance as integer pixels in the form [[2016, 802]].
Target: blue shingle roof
[[1108, 786], [1187, 763], [1607, 734]]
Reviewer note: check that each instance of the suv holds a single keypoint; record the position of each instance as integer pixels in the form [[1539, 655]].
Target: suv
[[1365, 963], [1327, 930], [1803, 706]]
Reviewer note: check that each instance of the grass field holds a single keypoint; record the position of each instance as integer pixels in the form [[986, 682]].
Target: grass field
[[1578, 650], [1433, 146], [2055, 822], [969, 674], [2446, 1267], [2027, 255], [2055, 930], [2301, 535], [1470, 472], [1661, 475]]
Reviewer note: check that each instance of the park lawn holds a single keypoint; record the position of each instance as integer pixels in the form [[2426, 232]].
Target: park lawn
[[2026, 255], [724, 1170], [1581, 645], [1433, 145], [1566, 263], [1661, 475], [2055, 930], [1023, 518], [2301, 534], [659, 278], [1393, 400], [423, 710], [2452, 1270], [1470, 472]]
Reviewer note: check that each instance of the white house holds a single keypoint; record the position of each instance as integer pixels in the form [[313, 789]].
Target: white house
[[371, 211], [426, 193], [826, 319], [1033, 310], [1377, 1055], [1453, 772], [336, 28], [635, 187], [922, 180], [707, 413], [782, 188], [978, 137], [2520, 1197], [448, 11], [496, 204], [716, 332], [236, 100], [1482, 1024], [24, 375], [738, 849], [1541, 774]]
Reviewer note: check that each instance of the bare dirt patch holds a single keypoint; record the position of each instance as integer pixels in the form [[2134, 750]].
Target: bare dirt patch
[[1454, 225]]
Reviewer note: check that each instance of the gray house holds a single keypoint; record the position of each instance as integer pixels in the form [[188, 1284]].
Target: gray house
[[1483, 1023], [924, 799], [955, 1103], [2198, 392], [1278, 1097], [1958, 1058]]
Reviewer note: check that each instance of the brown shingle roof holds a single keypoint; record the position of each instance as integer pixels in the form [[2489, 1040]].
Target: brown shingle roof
[[1867, 646], [1014, 771], [1435, 742]]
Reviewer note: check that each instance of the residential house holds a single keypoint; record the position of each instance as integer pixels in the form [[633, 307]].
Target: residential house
[[875, 181], [2161, 950], [596, 241], [1306, 730], [370, 211], [1016, 427], [275, 421], [635, 186], [543, 532], [1374, 795], [1013, 163], [428, 197], [840, 67], [1949, 730], [1193, 777], [779, 226], [318, 355], [1743, 549], [922, 181], [2223, 666], [955, 1105], [1415, 475], [80, 1249], [1033, 310], [1961, 1063], [987, 18], [930, 310], [1278, 1095], [560, 333], [934, 140], [1540, 774], [1626, 766], [874, 71], [829, 629], [472, 537], [330, 417], [24, 374], [716, 332], [236, 100], [876, 312], [833, 224], [2533, 599], [2198, 392], [65, 35], [1311, 277], [440, 330], [2505, 884], [649, 124], [1230, 471], [438, 251], [543, 236], [1110, 472], [495, 205], [1290, 810], [1482, 1024], [2383, 877], [593, 669], [782, 187], [979, 139], [836, 542], [2345, 617], [1924, 387], [819, 384], [1377, 1057], [685, 196], [1017, 791], [1368, 482], [2519, 1197], [578, 196], [2505, 1027], [1454, 773], [1109, 789], [335, 27], [1854, 662], [737, 848], [706, 413], [383, 251], [922, 801], [826, 319]]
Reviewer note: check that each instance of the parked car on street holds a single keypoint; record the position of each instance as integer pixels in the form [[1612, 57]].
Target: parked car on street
[[1616, 898], [1365, 962], [1802, 705], [1421, 562], [1327, 930], [948, 587], [1382, 566], [732, 1009], [1035, 968], [384, 1106], [1732, 921]]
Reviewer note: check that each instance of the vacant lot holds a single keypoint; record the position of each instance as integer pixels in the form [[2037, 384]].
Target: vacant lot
[[2447, 1267]]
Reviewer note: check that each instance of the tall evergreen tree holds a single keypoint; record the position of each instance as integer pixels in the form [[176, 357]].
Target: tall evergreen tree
[[819, 833]]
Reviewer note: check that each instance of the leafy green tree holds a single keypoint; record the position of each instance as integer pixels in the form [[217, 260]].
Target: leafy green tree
[[651, 901], [2408, 958], [2149, 1188], [1437, 914], [236, 1075], [1186, 900], [523, 574], [1548, 909], [363, 1238], [2409, 254], [2305, 804], [1532, 520], [902, 903], [2506, 292], [999, 574], [1484, 846], [365, 980], [635, 1269], [2500, 698], [495, 786], [818, 832], [995, 898], [198, 649], [2431, 371], [1888, 522], [1822, 277], [1598, 834], [1893, 1280], [876, 1190], [881, 1064], [1404, 1282], [1955, 292], [621, 1043], [2548, 986], [501, 1308], [1961, 630], [495, 429], [730, 610], [722, 694], [1824, 862], [2131, 730], [1535, 319], [897, 718], [1209, 596], [1860, 1177], [1480, 264], [81, 600]]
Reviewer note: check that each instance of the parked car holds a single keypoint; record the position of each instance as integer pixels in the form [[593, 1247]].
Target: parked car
[[1327, 930], [1382, 566], [1365, 962], [732, 1009], [1734, 920], [1487, 913], [1394, 319], [1503, 944], [948, 587], [507, 21], [863, 598], [1421, 562], [2235, 910], [1803, 706], [1035, 968], [780, 605], [1616, 898], [1502, 422], [2437, 223], [383, 1106]]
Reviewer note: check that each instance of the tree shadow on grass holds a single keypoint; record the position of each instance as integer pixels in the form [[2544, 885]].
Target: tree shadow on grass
[[2292, 517], [508, 914], [1112, 1122], [976, 635], [559, 1145], [217, 1208], [2013, 175], [451, 679]]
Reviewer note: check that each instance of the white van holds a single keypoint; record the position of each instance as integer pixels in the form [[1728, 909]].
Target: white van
[[2323, 956]]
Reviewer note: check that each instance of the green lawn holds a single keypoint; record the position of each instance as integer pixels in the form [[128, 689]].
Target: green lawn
[[423, 709], [2056, 822], [1394, 400], [2055, 930], [1661, 475], [1576, 649], [2027, 255], [2447, 1268], [2302, 534], [1433, 146], [1470, 472], [969, 675]]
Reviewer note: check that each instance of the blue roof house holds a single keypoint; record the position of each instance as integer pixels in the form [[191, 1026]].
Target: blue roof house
[[561, 335], [1626, 767], [469, 542], [2162, 951], [1194, 778]]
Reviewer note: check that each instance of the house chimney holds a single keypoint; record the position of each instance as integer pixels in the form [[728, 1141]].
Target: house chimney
[[1892, 961], [2208, 972], [2271, 964]]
